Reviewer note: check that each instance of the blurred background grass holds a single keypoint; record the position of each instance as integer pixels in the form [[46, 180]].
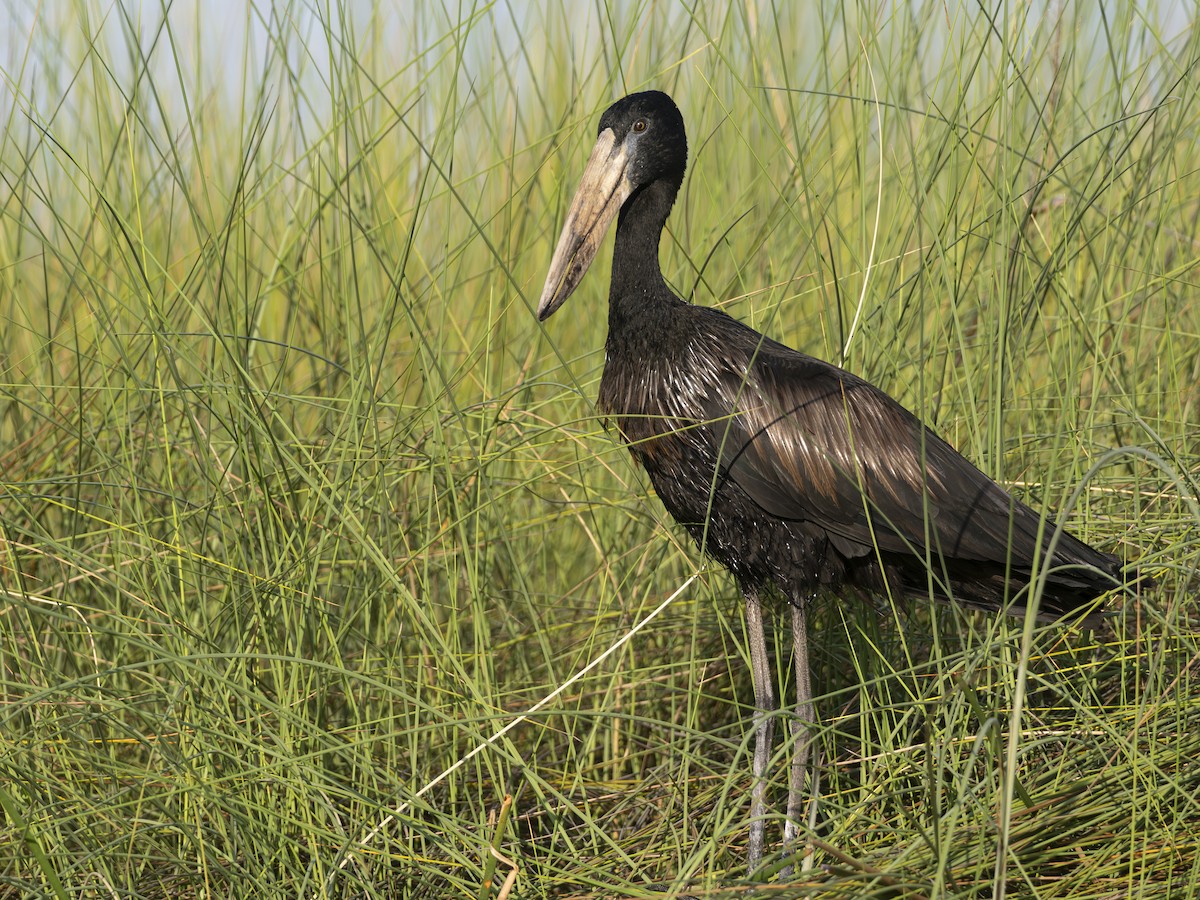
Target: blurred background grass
[[300, 505]]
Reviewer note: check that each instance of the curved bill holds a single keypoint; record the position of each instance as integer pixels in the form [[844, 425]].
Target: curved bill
[[604, 187]]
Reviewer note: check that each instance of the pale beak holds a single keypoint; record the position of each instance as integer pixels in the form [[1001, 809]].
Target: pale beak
[[604, 187]]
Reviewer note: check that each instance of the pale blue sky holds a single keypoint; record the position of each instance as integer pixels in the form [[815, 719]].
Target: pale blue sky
[[219, 46]]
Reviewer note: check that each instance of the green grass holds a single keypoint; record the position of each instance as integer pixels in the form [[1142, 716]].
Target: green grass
[[301, 507]]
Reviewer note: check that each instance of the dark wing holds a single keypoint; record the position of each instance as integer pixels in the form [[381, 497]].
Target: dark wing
[[808, 441]]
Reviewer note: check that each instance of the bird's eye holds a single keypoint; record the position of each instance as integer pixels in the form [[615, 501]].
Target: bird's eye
[[639, 126]]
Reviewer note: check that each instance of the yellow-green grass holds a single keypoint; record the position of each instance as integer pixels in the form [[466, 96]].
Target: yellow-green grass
[[301, 507]]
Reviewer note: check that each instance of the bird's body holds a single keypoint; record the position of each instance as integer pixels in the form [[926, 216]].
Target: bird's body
[[790, 471], [793, 472]]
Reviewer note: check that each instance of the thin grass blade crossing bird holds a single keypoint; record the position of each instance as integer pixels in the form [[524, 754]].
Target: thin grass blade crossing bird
[[791, 472]]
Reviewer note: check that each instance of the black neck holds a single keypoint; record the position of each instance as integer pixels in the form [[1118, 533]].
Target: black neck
[[636, 274]]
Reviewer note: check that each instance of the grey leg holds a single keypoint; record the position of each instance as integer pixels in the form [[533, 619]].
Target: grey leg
[[801, 729], [764, 724]]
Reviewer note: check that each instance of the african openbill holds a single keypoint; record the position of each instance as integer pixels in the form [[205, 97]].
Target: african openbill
[[788, 470]]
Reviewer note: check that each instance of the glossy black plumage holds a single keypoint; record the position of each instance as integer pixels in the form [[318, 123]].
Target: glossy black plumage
[[788, 470], [808, 476]]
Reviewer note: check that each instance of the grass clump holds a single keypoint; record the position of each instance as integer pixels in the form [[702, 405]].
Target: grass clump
[[301, 507]]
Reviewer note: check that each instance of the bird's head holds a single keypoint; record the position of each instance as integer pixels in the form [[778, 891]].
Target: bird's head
[[641, 140]]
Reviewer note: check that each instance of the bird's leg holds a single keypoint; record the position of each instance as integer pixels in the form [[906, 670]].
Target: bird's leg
[[764, 724], [801, 728]]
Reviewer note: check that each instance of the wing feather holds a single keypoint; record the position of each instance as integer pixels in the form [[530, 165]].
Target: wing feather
[[810, 442]]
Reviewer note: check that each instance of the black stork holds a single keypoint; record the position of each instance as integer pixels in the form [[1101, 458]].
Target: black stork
[[789, 471]]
